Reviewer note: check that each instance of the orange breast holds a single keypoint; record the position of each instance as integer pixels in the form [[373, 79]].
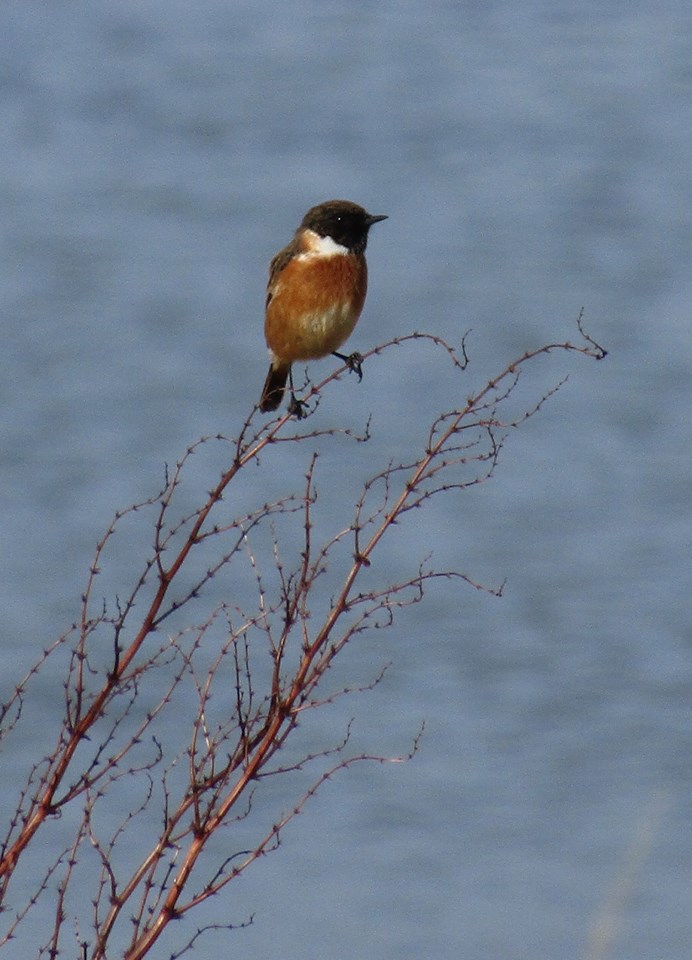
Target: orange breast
[[314, 304]]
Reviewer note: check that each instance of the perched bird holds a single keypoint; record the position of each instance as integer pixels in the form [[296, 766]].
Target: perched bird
[[316, 291]]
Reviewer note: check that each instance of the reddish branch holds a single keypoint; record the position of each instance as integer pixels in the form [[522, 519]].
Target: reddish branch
[[227, 761]]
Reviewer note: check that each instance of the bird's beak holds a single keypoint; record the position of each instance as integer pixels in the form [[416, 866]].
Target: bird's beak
[[375, 218]]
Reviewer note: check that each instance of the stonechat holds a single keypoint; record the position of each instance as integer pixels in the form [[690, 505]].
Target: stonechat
[[316, 291]]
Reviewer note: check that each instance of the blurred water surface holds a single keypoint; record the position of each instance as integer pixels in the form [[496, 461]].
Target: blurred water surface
[[533, 158]]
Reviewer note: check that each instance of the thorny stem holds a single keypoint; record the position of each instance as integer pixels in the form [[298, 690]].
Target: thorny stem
[[261, 744]]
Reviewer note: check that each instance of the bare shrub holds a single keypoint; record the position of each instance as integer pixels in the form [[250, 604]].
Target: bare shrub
[[180, 692]]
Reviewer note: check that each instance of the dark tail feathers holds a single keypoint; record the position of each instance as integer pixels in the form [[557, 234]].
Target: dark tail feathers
[[273, 390]]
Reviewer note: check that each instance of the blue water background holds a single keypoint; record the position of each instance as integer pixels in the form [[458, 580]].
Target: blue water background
[[533, 158]]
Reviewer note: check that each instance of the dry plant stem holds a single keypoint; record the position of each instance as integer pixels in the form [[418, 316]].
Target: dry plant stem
[[219, 776]]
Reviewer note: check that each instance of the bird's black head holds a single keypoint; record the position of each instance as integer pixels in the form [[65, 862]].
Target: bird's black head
[[346, 223]]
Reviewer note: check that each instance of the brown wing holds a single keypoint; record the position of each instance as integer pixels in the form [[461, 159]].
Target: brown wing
[[282, 258]]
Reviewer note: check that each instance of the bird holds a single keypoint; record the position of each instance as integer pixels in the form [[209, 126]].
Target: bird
[[315, 294]]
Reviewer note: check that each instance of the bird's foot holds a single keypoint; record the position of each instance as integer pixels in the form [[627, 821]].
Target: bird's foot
[[297, 408], [354, 362]]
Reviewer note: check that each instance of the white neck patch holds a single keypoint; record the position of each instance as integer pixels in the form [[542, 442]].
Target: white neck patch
[[317, 246]]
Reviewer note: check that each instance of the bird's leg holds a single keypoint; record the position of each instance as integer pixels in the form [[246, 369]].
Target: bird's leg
[[296, 407], [354, 362]]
